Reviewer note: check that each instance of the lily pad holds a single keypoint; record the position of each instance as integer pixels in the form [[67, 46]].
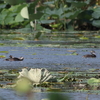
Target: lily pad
[[2, 56], [54, 89], [10, 76], [4, 52], [93, 81], [97, 36], [1, 44], [83, 38], [18, 38], [74, 53], [34, 54]]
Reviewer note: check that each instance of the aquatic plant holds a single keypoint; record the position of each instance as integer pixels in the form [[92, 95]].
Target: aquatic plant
[[4, 52], [2, 56], [36, 75], [23, 85], [93, 82]]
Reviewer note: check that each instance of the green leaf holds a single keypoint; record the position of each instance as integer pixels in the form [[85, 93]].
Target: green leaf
[[24, 30], [2, 18], [46, 21], [4, 52], [31, 8], [57, 12], [96, 13], [67, 15], [97, 36], [41, 8], [83, 38], [97, 9], [71, 15], [35, 16], [78, 4], [2, 6], [9, 20], [24, 13], [93, 81], [2, 56], [55, 25], [15, 2], [19, 18], [54, 89], [18, 38], [96, 23], [49, 3]]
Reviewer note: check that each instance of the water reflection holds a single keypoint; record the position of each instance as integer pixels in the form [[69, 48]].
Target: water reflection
[[6, 94]]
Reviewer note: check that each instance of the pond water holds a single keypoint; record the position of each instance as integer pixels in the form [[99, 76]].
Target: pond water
[[6, 94], [53, 55], [55, 58], [50, 58]]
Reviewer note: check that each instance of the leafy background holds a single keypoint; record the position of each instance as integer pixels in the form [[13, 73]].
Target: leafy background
[[50, 14]]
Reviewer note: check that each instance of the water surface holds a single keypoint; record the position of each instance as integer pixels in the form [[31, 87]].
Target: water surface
[[50, 57]]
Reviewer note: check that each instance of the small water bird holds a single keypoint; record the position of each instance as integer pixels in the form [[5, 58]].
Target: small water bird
[[11, 58], [92, 55]]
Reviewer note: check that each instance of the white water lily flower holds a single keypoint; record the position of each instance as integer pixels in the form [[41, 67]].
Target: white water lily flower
[[36, 75]]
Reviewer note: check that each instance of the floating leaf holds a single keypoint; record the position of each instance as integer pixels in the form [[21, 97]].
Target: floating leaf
[[74, 53], [3, 72], [1, 43], [93, 81], [83, 38], [54, 89], [2, 56], [34, 54], [4, 52], [18, 38], [97, 36], [10, 75]]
